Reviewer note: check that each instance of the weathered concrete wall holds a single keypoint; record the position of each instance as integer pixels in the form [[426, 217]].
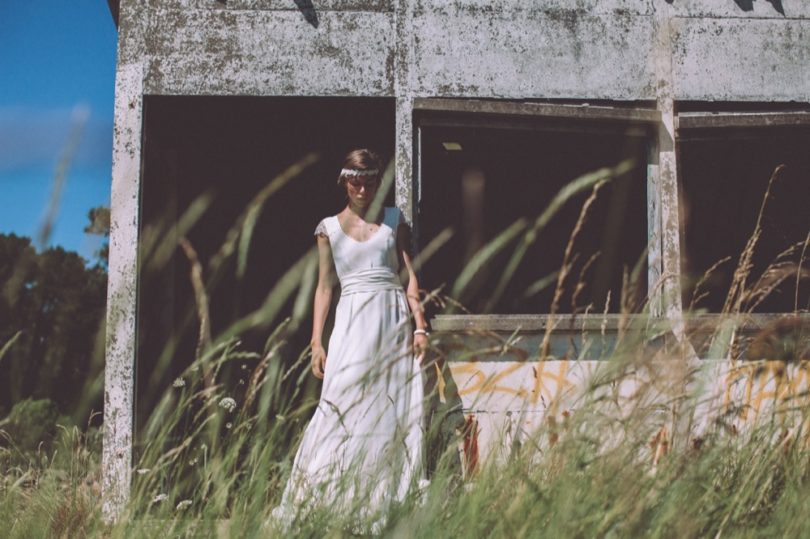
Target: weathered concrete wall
[[268, 52], [741, 59], [473, 48], [533, 49]]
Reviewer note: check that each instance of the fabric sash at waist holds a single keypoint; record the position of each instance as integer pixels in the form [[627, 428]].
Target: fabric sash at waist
[[369, 280]]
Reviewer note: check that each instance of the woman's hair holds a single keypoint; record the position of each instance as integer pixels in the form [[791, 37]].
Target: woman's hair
[[360, 159]]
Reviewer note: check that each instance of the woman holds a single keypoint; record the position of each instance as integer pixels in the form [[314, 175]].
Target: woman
[[362, 449]]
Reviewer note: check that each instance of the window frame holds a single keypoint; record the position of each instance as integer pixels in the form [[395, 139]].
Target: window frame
[[560, 117]]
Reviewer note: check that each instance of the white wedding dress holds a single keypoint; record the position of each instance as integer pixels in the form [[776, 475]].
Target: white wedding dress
[[362, 450]]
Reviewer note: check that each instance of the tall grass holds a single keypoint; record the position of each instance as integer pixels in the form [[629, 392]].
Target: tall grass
[[216, 454]]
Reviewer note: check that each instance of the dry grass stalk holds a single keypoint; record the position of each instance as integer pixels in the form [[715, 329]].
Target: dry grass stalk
[[799, 272], [567, 264], [201, 300], [736, 292], [258, 378], [581, 284], [702, 281], [80, 116], [770, 280], [766, 284]]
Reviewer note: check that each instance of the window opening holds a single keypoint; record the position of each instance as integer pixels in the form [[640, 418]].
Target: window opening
[[482, 173], [726, 159]]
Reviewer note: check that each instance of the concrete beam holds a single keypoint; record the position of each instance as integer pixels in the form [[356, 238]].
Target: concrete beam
[[740, 59], [225, 52], [508, 50]]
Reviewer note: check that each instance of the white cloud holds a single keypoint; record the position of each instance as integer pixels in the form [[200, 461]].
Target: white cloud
[[31, 136]]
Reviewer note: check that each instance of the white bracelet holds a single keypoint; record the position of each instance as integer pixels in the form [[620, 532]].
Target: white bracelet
[[421, 332]]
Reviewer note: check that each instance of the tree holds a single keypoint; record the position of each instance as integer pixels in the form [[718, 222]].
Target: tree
[[100, 226], [57, 305]]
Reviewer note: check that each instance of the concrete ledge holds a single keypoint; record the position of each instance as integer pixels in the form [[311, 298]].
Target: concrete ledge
[[567, 322], [510, 338]]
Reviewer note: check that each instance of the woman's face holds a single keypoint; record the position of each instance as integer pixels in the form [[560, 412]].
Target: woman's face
[[361, 189]]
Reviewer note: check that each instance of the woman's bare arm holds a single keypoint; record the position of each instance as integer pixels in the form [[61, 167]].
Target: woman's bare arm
[[420, 341], [320, 309]]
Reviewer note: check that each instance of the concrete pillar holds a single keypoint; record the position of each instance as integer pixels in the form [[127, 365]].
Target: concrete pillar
[[119, 371], [668, 285]]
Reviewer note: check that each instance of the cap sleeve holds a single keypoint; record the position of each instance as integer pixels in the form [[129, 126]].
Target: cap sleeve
[[321, 229]]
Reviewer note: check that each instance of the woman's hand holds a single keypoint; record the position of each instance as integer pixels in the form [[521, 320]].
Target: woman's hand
[[420, 345], [318, 361]]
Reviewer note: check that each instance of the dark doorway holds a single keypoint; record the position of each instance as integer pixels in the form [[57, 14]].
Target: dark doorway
[[230, 148], [480, 179]]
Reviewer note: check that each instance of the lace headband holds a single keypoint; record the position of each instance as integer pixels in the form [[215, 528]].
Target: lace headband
[[358, 172]]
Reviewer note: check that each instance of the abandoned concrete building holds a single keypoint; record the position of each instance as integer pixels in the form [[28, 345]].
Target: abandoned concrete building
[[486, 109]]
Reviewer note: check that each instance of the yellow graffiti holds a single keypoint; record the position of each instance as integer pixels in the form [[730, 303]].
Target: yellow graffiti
[[559, 380], [766, 382], [484, 383], [547, 383]]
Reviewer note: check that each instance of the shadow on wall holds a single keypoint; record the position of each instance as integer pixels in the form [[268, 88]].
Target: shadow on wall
[[745, 5], [308, 10], [748, 5]]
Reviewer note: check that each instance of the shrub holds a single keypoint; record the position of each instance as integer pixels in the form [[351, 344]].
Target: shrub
[[31, 423]]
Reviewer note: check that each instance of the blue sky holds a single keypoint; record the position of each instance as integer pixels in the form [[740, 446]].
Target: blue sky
[[57, 59]]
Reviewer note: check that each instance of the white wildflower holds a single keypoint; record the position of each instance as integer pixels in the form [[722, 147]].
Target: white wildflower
[[179, 383], [183, 505], [228, 403], [228, 425], [159, 498], [142, 471], [193, 462]]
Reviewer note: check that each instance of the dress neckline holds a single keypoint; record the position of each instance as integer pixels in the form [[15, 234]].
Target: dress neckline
[[374, 235]]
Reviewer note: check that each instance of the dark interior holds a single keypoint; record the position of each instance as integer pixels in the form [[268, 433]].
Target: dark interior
[[231, 147], [507, 172], [724, 176]]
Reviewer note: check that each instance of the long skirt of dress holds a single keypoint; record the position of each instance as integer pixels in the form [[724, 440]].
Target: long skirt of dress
[[362, 450]]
